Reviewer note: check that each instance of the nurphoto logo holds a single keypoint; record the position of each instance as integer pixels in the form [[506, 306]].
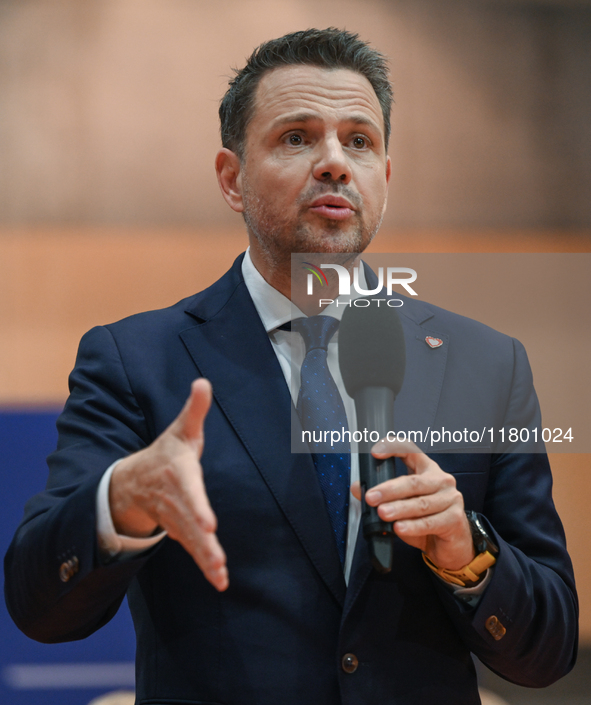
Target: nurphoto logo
[[391, 280]]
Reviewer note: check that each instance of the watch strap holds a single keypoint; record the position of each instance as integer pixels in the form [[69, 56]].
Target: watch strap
[[469, 575]]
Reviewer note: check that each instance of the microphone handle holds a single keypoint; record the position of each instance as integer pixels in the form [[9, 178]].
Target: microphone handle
[[375, 412]]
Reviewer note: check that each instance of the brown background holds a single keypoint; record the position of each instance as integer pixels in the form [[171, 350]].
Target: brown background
[[108, 201]]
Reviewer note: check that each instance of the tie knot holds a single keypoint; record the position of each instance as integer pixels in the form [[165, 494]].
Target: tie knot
[[315, 330]]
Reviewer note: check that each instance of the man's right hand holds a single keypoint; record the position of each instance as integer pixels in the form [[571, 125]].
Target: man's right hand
[[162, 486]]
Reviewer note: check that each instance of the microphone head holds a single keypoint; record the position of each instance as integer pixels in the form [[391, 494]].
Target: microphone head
[[372, 352]]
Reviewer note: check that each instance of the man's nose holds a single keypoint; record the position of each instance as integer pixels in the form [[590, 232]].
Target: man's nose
[[331, 163]]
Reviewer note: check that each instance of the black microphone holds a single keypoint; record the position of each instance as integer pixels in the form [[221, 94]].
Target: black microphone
[[372, 359]]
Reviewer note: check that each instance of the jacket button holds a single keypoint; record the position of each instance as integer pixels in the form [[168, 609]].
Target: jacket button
[[68, 569], [350, 663], [65, 572], [495, 628]]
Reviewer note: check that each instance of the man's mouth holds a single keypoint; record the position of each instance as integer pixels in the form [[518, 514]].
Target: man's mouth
[[333, 207]]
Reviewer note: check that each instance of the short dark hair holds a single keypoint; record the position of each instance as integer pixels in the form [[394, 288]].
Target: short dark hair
[[327, 48]]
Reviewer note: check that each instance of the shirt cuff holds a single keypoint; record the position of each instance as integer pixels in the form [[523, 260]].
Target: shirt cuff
[[470, 595], [111, 544]]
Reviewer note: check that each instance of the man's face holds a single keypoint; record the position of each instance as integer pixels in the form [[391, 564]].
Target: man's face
[[315, 173]]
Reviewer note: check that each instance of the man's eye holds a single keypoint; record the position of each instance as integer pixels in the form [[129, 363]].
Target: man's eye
[[295, 139], [359, 142]]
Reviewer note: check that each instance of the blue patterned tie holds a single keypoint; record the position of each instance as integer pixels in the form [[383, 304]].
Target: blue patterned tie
[[320, 408]]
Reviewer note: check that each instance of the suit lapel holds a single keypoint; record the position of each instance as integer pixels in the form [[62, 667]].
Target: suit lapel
[[231, 348], [416, 405]]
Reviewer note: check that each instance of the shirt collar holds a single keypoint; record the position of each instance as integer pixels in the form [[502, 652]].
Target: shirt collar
[[274, 308]]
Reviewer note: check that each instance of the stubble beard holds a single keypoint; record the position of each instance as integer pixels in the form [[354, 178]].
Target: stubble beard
[[279, 237]]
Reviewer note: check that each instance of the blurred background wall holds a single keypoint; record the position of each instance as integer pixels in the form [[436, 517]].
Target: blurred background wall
[[108, 131], [109, 107]]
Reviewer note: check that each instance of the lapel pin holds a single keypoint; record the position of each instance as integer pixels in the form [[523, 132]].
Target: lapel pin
[[433, 342]]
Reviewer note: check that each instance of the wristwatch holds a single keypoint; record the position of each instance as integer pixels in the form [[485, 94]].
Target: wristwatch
[[486, 556]]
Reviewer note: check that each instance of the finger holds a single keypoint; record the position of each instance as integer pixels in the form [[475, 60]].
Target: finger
[[206, 551], [427, 483], [415, 507], [412, 456], [211, 558], [356, 490], [190, 520], [188, 425], [199, 537], [180, 498], [179, 504], [442, 524], [388, 448]]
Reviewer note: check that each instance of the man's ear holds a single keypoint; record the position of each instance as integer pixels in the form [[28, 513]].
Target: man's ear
[[228, 170], [388, 175]]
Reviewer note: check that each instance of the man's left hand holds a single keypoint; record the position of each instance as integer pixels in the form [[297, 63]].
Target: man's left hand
[[426, 508]]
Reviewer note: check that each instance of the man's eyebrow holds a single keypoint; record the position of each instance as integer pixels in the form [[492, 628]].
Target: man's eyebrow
[[358, 119], [354, 118], [296, 117]]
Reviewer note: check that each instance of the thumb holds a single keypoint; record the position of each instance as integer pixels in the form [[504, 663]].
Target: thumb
[[188, 425]]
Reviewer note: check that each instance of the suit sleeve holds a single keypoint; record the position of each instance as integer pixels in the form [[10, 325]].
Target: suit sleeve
[[525, 626], [101, 422]]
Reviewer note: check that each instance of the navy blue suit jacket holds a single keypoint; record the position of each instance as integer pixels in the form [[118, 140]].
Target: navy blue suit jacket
[[278, 634]]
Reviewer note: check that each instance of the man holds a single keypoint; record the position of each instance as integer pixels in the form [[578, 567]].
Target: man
[[221, 535]]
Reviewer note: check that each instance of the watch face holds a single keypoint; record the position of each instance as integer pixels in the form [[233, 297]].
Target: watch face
[[482, 541]]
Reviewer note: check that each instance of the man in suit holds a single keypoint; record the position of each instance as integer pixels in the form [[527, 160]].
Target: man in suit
[[218, 533]]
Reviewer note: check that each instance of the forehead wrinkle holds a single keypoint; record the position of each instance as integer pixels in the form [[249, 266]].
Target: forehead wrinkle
[[299, 85], [332, 97]]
